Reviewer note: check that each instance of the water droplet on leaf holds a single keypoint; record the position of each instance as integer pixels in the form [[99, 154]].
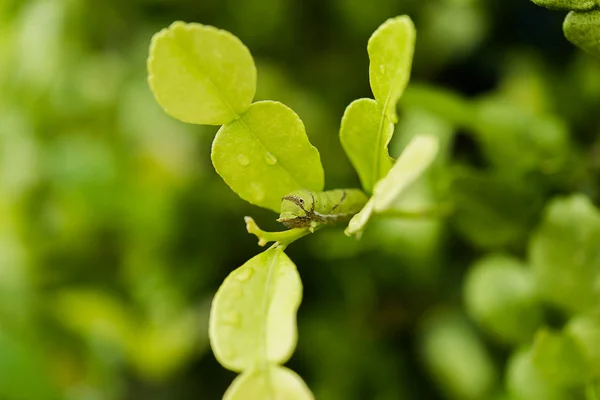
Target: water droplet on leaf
[[244, 274], [243, 160], [257, 191], [231, 318], [270, 159]]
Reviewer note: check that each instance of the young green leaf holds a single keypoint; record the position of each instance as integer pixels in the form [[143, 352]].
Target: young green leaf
[[253, 314], [391, 49], [500, 295], [411, 164], [266, 154], [270, 382], [567, 5], [415, 158], [564, 254], [583, 30], [200, 74], [365, 133]]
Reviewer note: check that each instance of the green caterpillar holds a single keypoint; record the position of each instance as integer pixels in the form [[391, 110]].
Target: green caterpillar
[[305, 209]]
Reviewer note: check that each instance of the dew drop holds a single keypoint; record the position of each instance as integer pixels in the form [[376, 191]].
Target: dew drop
[[243, 160], [270, 159], [244, 274], [231, 318], [257, 191]]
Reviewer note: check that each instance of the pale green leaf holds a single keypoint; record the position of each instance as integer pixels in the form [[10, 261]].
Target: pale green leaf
[[266, 154], [365, 133], [565, 254], [253, 314], [391, 49], [500, 295], [411, 164], [271, 382], [200, 74], [359, 221], [567, 5], [583, 30], [415, 158]]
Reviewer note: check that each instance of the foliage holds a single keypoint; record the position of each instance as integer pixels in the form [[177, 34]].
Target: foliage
[[116, 232]]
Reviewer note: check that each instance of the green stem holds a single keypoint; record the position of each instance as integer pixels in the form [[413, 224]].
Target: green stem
[[282, 238]]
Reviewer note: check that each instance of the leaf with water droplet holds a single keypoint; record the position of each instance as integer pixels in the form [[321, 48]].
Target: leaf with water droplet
[[200, 74], [391, 49], [259, 327], [280, 157], [272, 382]]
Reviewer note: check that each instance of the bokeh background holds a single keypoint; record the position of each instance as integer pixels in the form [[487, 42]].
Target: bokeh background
[[115, 230]]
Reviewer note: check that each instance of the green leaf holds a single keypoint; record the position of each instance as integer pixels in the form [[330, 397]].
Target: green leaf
[[565, 254], [558, 359], [583, 30], [500, 295], [456, 356], [253, 314], [270, 382], [365, 134], [391, 49], [567, 5], [414, 160], [266, 154], [200, 74]]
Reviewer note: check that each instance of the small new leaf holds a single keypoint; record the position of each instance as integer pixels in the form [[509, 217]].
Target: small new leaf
[[265, 154], [414, 160], [391, 49], [253, 315], [200, 74], [271, 382]]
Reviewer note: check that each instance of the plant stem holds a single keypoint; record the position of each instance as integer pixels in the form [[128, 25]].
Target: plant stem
[[283, 238]]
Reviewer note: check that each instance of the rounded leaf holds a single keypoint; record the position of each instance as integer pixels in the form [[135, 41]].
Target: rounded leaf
[[271, 382], [365, 134], [500, 295], [253, 314], [391, 49], [583, 30], [266, 154], [200, 74]]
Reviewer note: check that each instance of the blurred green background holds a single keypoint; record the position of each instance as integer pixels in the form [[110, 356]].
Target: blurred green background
[[115, 230]]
